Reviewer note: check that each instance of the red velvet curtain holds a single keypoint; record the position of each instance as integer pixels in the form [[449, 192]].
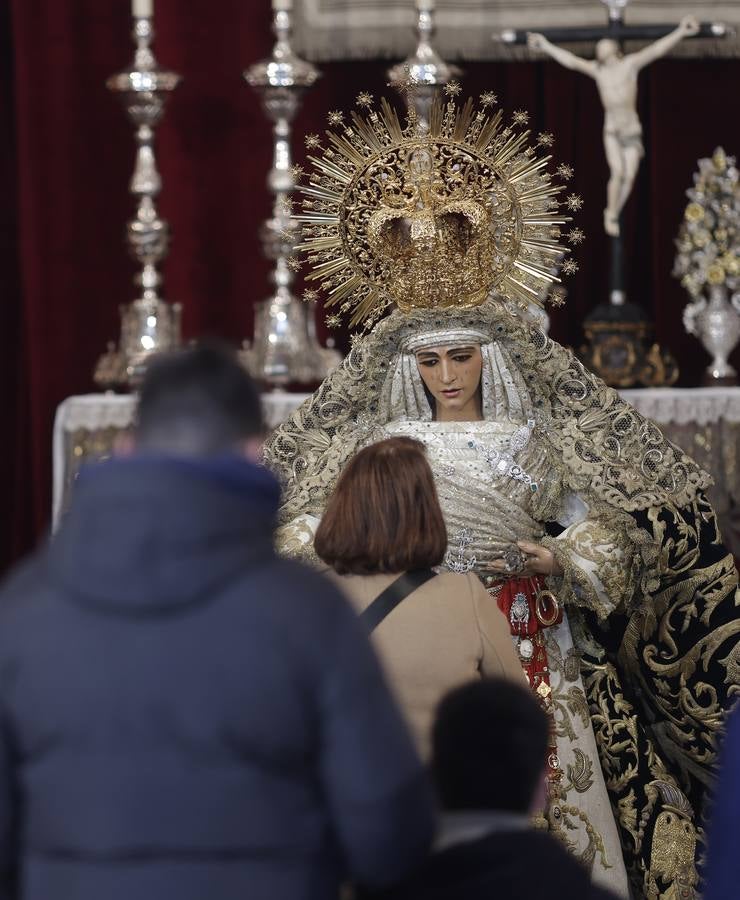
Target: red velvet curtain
[[66, 154]]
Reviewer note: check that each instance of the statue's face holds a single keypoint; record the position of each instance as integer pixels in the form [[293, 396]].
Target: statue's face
[[607, 50], [452, 376]]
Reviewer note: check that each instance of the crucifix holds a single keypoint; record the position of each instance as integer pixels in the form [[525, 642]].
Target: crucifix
[[615, 74]]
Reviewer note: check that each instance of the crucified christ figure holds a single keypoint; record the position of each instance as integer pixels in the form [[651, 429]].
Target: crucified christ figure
[[616, 78]]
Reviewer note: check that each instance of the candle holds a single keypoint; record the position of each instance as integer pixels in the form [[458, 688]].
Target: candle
[[142, 9], [282, 5], [425, 5]]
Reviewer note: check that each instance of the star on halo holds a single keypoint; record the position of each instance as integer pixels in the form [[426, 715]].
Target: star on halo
[[557, 296], [404, 82], [335, 118], [488, 98], [576, 236], [573, 202], [570, 267], [309, 295], [452, 89], [364, 99], [565, 171], [520, 117], [297, 172], [333, 321], [312, 141], [545, 139], [294, 264]]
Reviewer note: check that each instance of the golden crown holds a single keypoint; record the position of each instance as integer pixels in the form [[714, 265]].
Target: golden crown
[[432, 215]]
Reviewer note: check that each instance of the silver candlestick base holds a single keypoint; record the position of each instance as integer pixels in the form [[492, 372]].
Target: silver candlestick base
[[285, 348], [149, 324], [425, 69]]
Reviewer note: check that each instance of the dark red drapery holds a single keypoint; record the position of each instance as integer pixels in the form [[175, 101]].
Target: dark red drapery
[[66, 154]]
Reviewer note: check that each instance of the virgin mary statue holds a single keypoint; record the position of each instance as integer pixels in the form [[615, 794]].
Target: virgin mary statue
[[588, 528]]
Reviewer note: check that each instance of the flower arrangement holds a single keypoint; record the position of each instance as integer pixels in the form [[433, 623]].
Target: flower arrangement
[[708, 241]]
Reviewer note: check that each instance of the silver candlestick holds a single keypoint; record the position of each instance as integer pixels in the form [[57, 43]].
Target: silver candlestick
[[148, 324], [285, 348], [425, 69]]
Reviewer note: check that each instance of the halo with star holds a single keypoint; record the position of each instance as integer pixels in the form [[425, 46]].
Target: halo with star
[[367, 165]]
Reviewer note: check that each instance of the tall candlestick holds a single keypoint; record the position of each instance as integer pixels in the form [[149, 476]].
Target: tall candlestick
[[425, 68], [285, 348], [148, 324], [142, 9]]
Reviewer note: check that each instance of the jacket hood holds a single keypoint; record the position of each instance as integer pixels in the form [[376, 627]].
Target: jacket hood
[[146, 534]]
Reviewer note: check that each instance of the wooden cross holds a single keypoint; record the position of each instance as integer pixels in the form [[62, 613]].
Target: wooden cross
[[616, 29]]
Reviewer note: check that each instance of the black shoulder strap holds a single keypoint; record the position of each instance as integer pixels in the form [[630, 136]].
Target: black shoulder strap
[[389, 599]]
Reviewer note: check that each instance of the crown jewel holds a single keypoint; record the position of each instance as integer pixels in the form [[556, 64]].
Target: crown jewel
[[433, 215]]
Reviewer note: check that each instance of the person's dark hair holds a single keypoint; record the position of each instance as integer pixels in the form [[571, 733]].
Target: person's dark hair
[[489, 747], [384, 515], [197, 401]]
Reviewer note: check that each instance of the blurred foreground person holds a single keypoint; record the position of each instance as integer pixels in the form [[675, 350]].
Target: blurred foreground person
[[382, 532], [490, 746], [723, 858], [182, 714]]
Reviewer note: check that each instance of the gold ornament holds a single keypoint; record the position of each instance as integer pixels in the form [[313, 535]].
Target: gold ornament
[[701, 237], [731, 264], [433, 215], [694, 212], [715, 274], [673, 844], [719, 159]]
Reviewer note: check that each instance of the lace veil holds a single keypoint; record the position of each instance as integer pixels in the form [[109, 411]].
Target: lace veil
[[601, 446]]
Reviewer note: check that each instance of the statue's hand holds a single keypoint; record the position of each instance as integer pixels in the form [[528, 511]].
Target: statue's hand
[[535, 40], [689, 26], [539, 561]]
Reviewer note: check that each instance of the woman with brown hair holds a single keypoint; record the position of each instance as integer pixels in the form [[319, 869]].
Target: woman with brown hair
[[382, 533]]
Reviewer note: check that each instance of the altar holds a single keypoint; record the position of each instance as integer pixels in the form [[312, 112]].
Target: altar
[[705, 422]]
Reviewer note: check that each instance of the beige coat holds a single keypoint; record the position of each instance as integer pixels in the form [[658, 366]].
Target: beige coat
[[445, 633]]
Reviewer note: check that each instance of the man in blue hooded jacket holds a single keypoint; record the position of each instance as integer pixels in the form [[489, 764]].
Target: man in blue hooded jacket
[[183, 714]]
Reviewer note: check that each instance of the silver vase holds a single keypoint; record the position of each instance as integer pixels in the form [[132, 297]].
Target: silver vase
[[716, 322]]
